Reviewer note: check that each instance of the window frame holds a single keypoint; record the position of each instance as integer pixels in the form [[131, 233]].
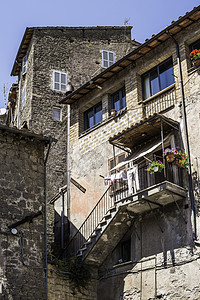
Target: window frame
[[60, 113], [108, 60], [122, 94], [148, 75], [24, 65], [93, 110], [191, 48], [59, 82]]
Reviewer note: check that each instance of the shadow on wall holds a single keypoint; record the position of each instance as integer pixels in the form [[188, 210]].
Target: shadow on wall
[[62, 247], [156, 237]]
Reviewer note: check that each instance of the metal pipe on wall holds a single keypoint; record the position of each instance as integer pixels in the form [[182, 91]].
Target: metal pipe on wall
[[191, 192], [68, 164], [45, 216]]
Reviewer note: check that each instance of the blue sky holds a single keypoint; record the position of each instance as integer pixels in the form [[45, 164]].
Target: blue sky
[[147, 17]]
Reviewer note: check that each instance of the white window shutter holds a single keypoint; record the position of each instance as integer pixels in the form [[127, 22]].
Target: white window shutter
[[24, 64], [59, 81], [108, 58]]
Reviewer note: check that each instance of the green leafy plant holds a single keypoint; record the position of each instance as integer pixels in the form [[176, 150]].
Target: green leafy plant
[[155, 166], [183, 159], [74, 268]]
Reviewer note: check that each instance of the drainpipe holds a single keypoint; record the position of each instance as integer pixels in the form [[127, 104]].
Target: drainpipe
[[45, 216], [191, 192], [68, 166], [62, 217]]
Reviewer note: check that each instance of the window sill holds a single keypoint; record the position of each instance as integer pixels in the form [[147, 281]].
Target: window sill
[[158, 94], [109, 119], [123, 264]]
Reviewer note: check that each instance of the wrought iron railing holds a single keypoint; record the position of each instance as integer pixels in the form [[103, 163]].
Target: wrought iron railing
[[89, 225], [120, 189], [159, 103], [115, 193]]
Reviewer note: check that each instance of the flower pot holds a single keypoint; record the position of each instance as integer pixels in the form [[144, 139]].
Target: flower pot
[[176, 163], [113, 112], [196, 63], [169, 157], [155, 169]]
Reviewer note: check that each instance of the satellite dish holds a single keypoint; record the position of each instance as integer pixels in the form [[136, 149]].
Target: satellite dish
[[2, 111]]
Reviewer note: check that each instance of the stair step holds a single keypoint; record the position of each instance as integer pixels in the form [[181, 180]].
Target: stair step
[[108, 216], [112, 209], [83, 249], [89, 241], [102, 223]]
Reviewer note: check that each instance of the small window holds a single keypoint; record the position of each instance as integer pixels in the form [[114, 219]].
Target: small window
[[158, 78], [57, 114], [118, 99], [23, 96], [108, 58], [59, 81], [93, 116], [24, 64], [195, 45], [126, 251]]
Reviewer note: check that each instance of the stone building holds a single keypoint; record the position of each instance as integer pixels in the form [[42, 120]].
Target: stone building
[[141, 230], [47, 60], [22, 215]]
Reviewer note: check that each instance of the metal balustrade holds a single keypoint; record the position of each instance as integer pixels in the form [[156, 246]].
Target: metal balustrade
[[159, 103], [91, 222]]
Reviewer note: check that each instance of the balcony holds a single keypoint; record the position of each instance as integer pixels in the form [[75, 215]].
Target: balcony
[[160, 102]]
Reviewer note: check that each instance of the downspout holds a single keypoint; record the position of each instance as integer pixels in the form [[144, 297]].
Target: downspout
[[68, 166], [45, 217], [191, 192], [62, 218]]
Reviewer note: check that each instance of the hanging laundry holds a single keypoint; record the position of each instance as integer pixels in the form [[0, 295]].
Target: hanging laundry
[[133, 180]]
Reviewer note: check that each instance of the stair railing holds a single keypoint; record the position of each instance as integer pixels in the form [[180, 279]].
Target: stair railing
[[90, 223]]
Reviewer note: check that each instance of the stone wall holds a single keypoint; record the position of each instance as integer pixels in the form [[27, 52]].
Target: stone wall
[[60, 287], [22, 194], [77, 52]]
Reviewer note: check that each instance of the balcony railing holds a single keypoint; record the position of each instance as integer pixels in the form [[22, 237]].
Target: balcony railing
[[115, 193], [173, 174], [160, 102]]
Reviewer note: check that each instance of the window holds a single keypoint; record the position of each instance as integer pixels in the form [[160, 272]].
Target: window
[[158, 78], [118, 99], [93, 116], [23, 96], [126, 251], [57, 114], [108, 58], [195, 45], [24, 64], [59, 81]]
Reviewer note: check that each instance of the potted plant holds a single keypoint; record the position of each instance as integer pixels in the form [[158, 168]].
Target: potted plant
[[181, 160], [155, 166], [113, 112], [195, 57], [170, 154]]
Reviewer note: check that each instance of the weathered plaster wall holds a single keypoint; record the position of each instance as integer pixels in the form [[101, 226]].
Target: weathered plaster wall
[[22, 193], [161, 262]]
